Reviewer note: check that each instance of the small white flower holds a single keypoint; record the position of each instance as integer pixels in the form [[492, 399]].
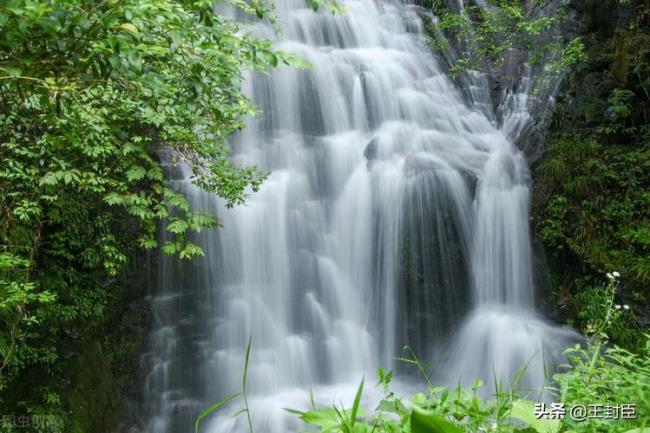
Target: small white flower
[[626, 307], [616, 274], [618, 307], [610, 276]]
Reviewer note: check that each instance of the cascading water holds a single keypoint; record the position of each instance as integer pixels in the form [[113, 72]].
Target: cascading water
[[395, 208]]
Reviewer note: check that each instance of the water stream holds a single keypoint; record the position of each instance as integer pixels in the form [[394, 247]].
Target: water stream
[[396, 213]]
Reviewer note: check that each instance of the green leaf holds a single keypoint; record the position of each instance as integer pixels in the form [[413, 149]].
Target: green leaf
[[207, 411], [391, 406], [156, 174], [113, 199], [147, 243], [14, 72], [3, 346], [190, 251], [426, 422], [169, 248], [129, 27], [524, 410], [326, 420], [49, 179], [247, 357], [136, 172], [355, 405], [178, 226]]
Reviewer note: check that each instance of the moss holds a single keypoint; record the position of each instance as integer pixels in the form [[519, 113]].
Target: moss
[[591, 204], [94, 398]]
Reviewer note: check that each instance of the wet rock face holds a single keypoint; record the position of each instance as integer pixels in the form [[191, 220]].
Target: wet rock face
[[517, 86], [601, 15], [370, 152], [533, 142]]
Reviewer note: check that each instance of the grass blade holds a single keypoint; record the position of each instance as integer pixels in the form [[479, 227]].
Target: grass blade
[[211, 409], [357, 402], [245, 381]]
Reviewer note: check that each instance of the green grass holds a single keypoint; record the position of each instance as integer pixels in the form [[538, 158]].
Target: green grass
[[594, 375]]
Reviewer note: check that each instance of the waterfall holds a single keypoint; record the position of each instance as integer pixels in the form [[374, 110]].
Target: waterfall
[[395, 213]]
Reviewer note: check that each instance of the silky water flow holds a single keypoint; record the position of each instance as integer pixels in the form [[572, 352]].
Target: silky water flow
[[396, 213]]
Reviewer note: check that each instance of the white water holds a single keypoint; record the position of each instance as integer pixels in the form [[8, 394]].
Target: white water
[[396, 213]]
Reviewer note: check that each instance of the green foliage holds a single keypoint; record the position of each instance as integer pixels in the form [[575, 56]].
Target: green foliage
[[619, 102], [613, 377], [591, 194], [597, 199], [595, 218], [90, 93], [486, 33], [601, 317], [439, 410]]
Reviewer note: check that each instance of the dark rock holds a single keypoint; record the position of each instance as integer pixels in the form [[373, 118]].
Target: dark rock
[[371, 150]]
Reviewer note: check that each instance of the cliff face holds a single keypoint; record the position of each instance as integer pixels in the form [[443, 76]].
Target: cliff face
[[105, 377], [590, 201], [587, 144], [96, 384]]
